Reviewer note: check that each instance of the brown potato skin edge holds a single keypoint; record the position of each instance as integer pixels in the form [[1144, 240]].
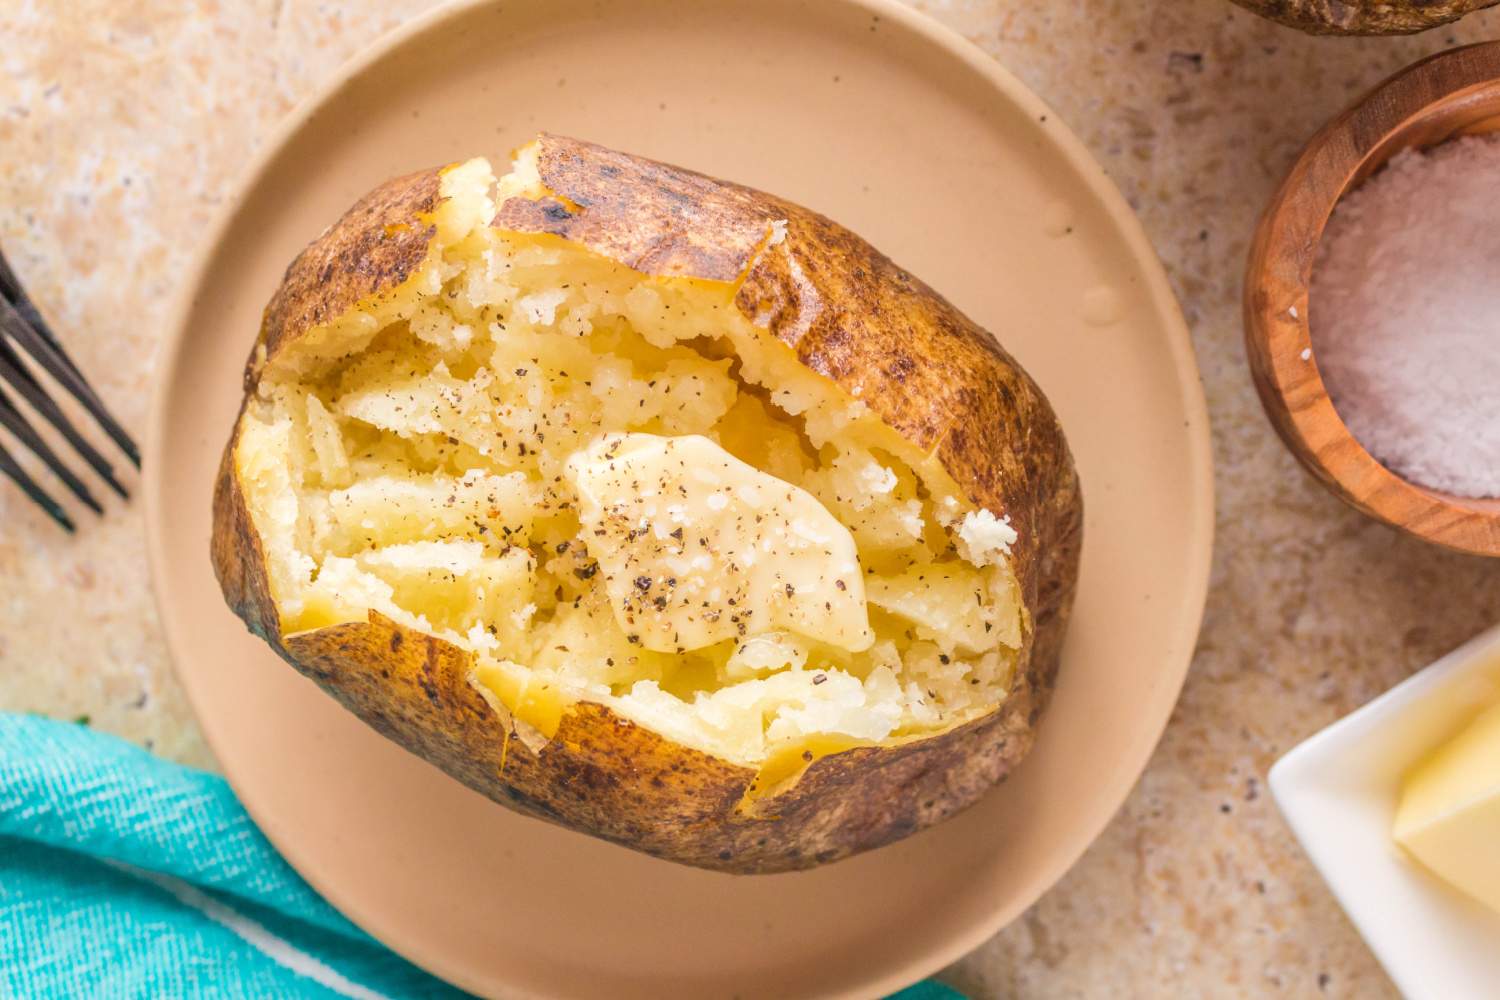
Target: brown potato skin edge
[[1364, 17], [850, 314]]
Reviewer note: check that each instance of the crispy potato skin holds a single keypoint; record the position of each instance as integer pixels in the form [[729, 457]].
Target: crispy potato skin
[[375, 246], [850, 314], [1364, 17]]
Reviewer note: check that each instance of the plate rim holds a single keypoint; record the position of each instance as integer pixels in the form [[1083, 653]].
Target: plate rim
[[1175, 333]]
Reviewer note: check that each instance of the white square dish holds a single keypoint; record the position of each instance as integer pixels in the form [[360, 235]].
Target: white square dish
[[1339, 791]]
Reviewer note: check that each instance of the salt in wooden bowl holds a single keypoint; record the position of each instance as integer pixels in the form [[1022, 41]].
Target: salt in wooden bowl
[[1454, 93]]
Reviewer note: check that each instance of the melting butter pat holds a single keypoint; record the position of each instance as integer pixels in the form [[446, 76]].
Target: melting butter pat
[[697, 547], [1449, 816]]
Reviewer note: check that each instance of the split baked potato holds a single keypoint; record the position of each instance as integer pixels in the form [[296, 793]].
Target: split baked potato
[[651, 505]]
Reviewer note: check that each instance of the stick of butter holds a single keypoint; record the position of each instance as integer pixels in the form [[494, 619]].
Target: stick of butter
[[1449, 817]]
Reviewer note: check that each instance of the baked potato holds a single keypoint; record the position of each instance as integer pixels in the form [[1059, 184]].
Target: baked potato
[[651, 505], [1364, 17]]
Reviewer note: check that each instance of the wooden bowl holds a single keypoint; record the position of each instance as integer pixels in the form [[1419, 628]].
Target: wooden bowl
[[1453, 93]]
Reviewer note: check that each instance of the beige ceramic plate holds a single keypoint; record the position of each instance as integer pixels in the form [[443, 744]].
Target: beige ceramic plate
[[913, 138]]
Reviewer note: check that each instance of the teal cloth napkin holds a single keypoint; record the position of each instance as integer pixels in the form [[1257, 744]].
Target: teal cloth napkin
[[124, 875]]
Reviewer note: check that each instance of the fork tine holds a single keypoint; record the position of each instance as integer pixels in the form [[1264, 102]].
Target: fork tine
[[10, 468], [13, 292], [15, 421], [41, 344], [12, 370]]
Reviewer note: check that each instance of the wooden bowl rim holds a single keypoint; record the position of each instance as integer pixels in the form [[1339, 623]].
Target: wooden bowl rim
[[1277, 330]]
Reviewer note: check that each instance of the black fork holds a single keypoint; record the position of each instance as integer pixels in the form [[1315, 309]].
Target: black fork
[[24, 332]]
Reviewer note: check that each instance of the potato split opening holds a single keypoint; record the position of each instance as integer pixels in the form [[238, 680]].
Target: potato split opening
[[616, 488]]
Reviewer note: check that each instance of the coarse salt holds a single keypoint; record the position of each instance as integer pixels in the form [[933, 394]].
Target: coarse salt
[[1405, 315]]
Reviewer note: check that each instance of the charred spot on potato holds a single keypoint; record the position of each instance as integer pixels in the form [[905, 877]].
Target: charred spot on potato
[[900, 367]]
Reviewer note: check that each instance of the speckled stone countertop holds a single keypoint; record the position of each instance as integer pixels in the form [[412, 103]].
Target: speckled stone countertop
[[123, 125]]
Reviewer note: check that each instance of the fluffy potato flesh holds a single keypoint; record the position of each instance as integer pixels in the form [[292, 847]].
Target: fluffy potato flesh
[[615, 488]]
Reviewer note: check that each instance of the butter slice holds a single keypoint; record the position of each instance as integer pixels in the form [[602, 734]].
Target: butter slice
[[697, 547], [1449, 817]]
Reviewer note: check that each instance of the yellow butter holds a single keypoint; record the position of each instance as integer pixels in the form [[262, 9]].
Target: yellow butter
[[698, 547], [539, 704], [1449, 816]]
